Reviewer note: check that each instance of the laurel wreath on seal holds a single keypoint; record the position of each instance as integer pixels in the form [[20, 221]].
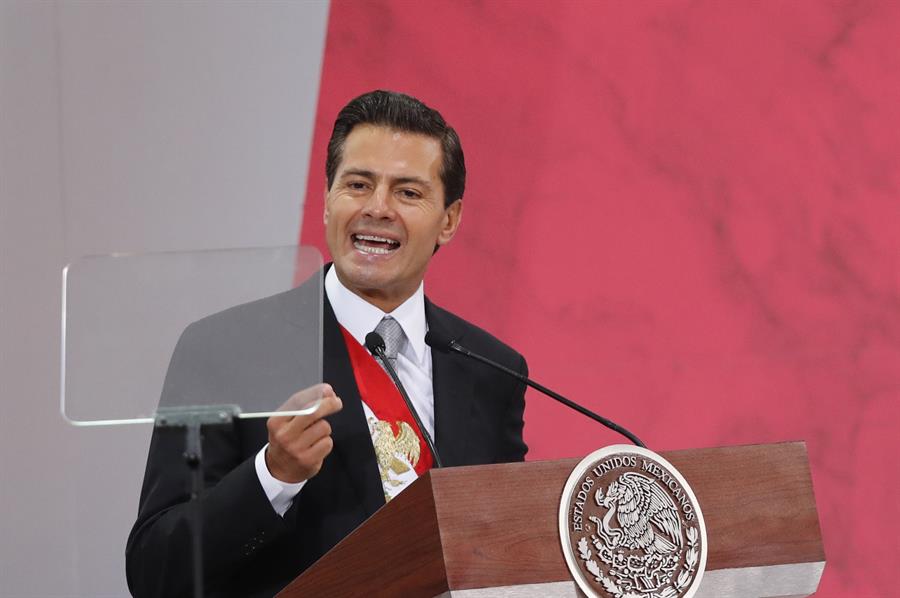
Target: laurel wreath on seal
[[594, 569], [683, 580], [690, 560]]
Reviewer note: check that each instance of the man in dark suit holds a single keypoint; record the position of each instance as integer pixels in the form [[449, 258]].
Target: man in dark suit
[[281, 493]]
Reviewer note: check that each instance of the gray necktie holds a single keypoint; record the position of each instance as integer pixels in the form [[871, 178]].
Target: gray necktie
[[393, 335]]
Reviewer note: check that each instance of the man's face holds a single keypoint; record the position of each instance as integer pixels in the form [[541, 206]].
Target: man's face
[[385, 213]]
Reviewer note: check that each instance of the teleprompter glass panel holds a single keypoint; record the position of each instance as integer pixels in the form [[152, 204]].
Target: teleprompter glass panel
[[237, 331]]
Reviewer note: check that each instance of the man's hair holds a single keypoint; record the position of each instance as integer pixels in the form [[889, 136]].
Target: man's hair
[[404, 113]]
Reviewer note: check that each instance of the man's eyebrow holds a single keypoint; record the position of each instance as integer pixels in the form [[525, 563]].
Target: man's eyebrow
[[403, 180], [358, 172]]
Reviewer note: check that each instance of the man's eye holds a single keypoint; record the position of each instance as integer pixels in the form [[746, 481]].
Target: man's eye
[[410, 194], [356, 185]]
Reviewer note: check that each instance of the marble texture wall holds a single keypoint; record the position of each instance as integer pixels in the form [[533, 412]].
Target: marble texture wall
[[685, 214]]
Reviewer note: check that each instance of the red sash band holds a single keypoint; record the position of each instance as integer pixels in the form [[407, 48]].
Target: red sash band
[[381, 395]]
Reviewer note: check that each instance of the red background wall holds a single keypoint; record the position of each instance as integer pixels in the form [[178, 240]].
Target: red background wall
[[685, 214]]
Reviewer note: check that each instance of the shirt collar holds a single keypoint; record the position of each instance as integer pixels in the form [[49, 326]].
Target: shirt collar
[[360, 317]]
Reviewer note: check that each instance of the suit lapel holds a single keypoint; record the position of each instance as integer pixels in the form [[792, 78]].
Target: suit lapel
[[454, 392], [352, 442]]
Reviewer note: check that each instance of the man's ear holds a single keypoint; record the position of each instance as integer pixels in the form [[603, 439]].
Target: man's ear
[[325, 202], [450, 224]]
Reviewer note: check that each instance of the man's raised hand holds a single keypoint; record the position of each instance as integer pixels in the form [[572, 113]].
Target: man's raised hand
[[299, 444]]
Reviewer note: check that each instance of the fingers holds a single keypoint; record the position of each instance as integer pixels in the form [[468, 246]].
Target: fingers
[[307, 398], [321, 449], [299, 444], [295, 425], [308, 463], [296, 441]]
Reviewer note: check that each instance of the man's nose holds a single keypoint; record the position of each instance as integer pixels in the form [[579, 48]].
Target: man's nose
[[378, 203]]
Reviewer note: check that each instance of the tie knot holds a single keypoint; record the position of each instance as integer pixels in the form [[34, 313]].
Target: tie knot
[[393, 335]]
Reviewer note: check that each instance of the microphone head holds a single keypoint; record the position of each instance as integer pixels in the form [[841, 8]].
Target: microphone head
[[374, 343], [438, 341]]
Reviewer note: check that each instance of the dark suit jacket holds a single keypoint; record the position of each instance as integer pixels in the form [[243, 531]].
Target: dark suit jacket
[[248, 549]]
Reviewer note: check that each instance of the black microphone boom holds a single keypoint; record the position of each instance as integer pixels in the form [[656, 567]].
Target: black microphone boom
[[375, 345], [445, 344]]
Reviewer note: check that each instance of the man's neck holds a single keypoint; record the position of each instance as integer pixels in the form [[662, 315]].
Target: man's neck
[[360, 316], [385, 304]]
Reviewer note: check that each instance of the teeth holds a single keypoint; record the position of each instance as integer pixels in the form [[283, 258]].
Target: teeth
[[377, 239], [370, 249]]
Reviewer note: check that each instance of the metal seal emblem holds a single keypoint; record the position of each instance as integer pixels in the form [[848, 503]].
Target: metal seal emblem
[[631, 527]]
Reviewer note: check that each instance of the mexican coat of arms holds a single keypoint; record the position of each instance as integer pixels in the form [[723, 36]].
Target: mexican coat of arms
[[631, 527]]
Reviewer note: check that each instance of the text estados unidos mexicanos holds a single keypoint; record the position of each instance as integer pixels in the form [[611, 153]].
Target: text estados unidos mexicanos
[[678, 493]]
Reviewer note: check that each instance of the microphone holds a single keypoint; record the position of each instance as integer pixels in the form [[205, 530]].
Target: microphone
[[445, 344], [375, 345]]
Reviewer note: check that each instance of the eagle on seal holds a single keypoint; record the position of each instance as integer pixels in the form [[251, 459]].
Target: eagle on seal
[[648, 519]]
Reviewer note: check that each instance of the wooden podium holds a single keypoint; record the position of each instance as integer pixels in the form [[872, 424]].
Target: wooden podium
[[492, 531]]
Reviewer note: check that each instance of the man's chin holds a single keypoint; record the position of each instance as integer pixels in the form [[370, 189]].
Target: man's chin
[[367, 279]]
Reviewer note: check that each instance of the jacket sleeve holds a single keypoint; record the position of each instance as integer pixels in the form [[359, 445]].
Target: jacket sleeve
[[513, 423]]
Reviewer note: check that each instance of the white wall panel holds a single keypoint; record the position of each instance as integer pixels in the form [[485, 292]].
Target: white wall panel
[[125, 127]]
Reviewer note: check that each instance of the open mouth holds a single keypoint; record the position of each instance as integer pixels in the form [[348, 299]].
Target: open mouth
[[374, 244]]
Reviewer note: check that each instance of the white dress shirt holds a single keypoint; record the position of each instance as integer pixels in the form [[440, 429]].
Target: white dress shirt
[[359, 318]]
